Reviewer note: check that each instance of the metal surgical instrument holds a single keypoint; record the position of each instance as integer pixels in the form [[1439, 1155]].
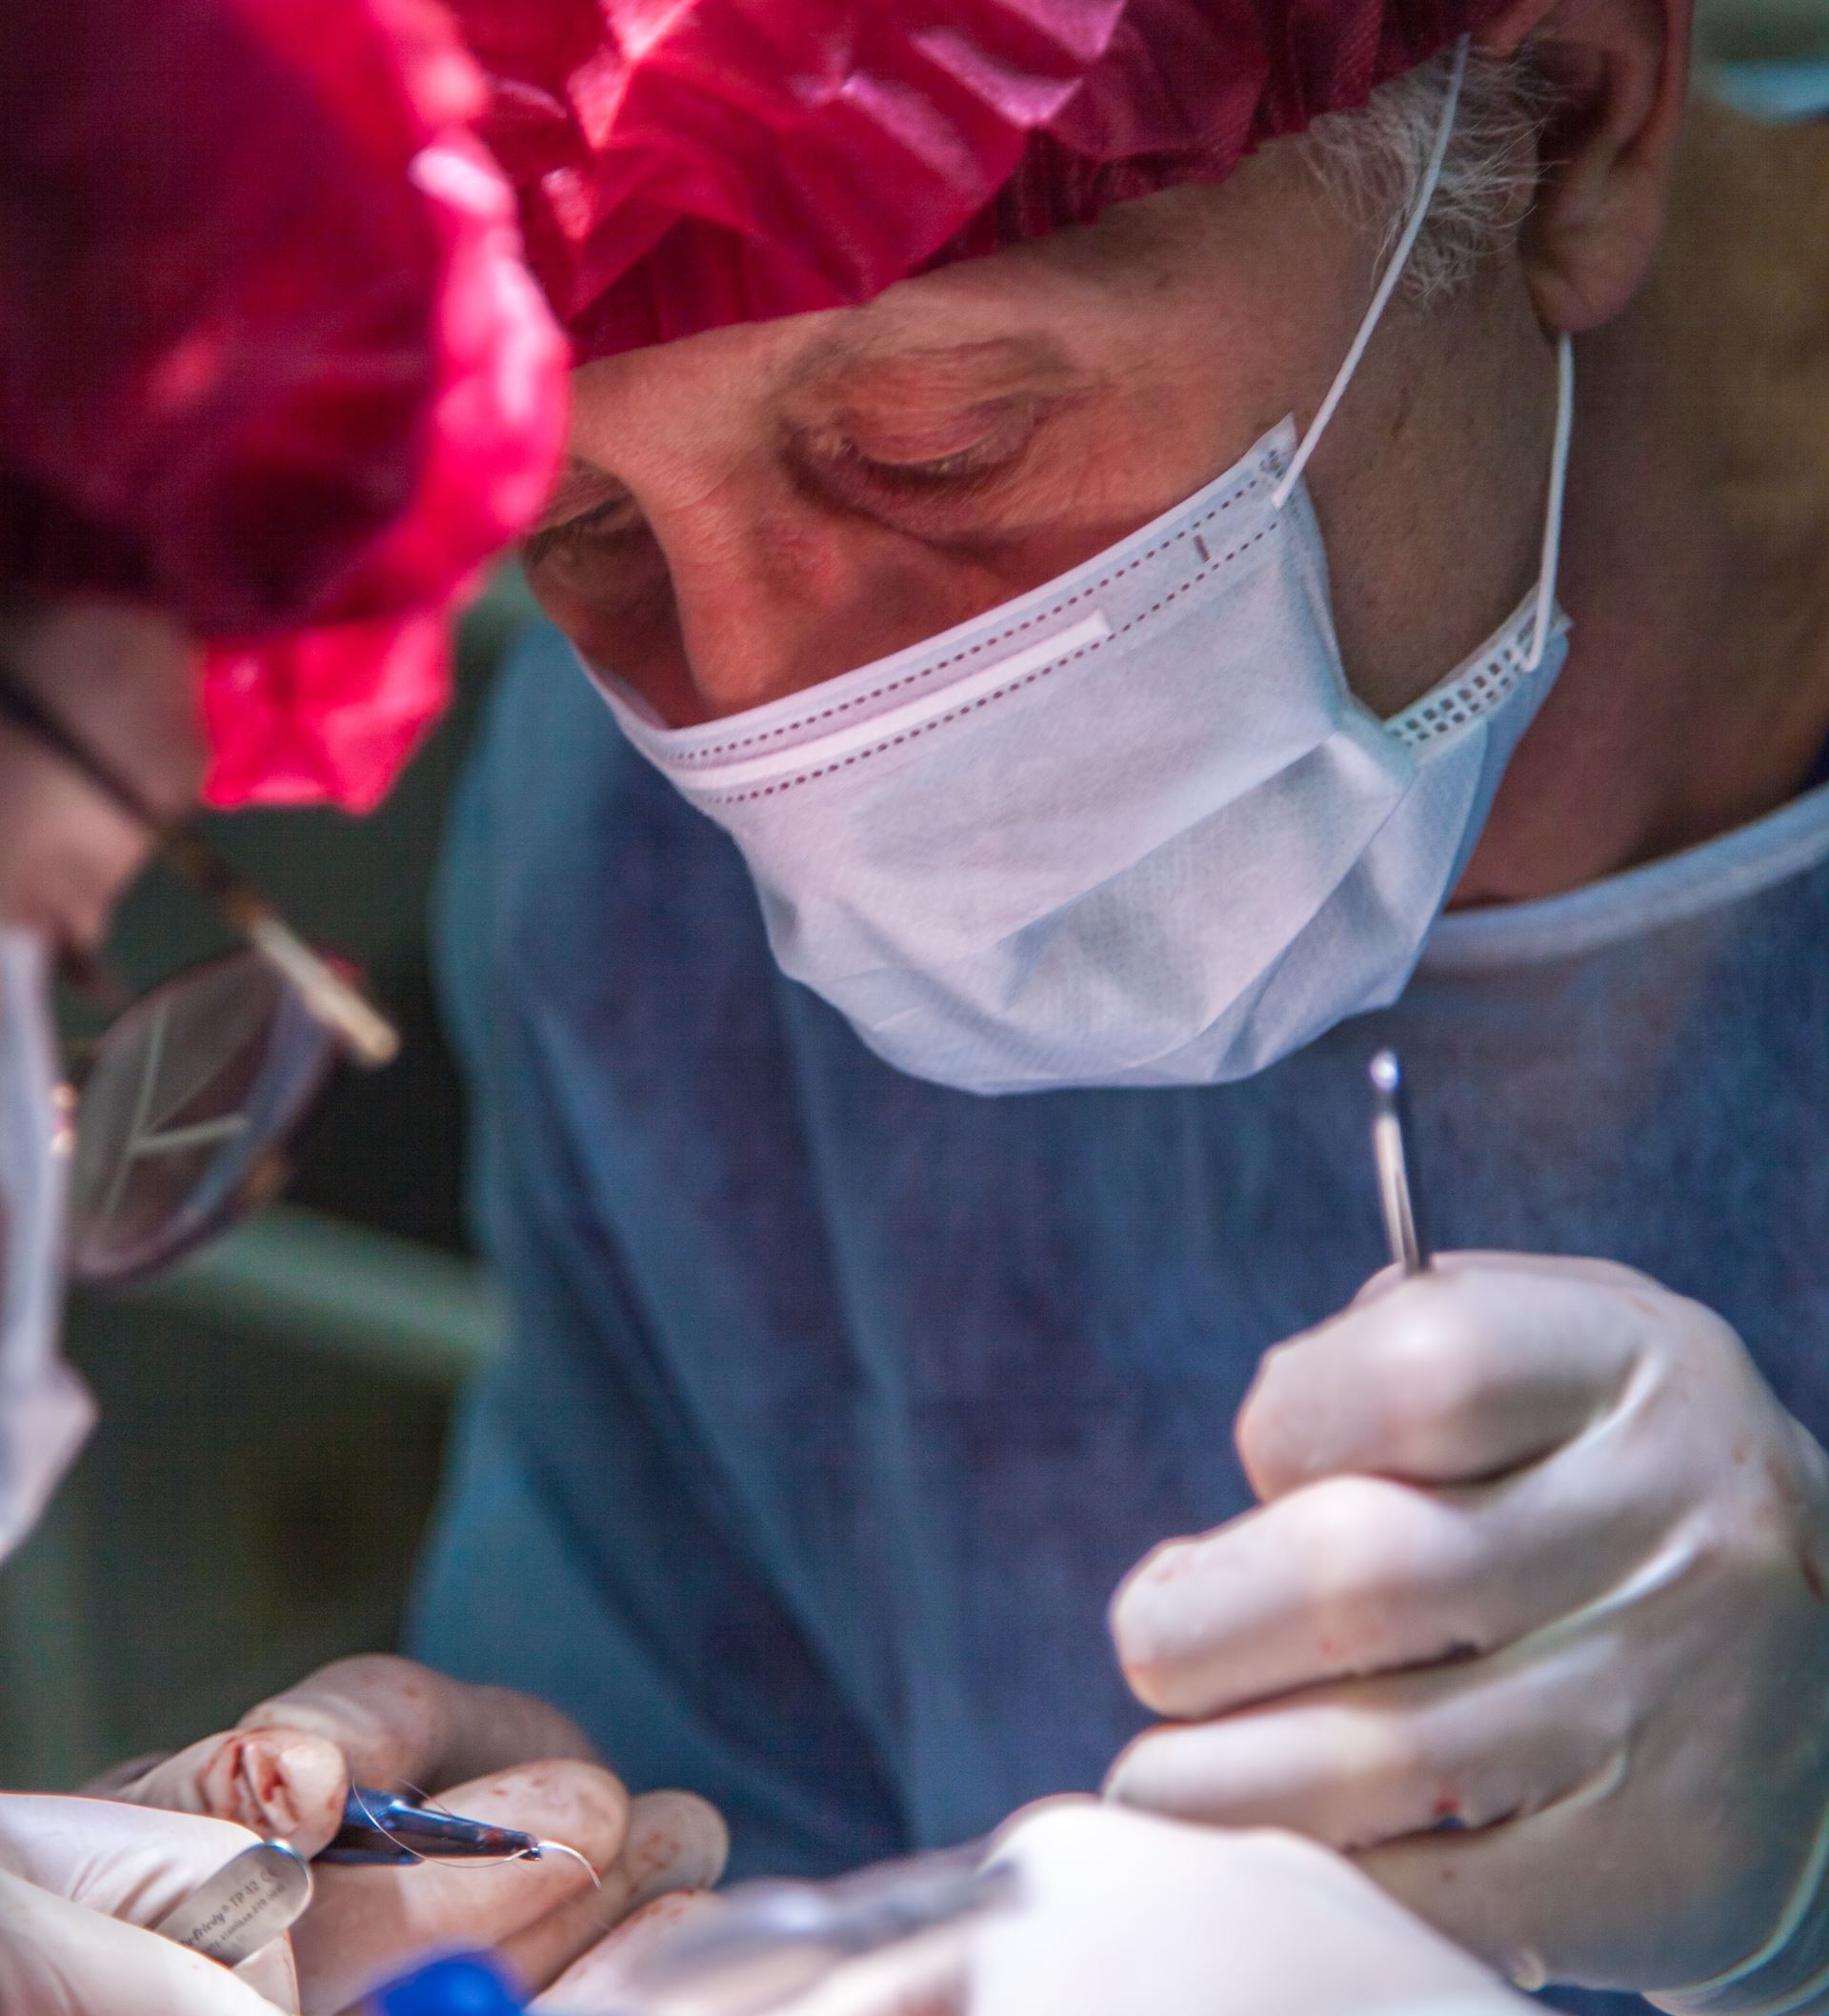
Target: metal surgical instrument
[[248, 1901], [384, 1827], [1398, 1196], [263, 1891]]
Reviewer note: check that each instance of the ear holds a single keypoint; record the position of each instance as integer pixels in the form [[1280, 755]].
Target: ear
[[1620, 73]]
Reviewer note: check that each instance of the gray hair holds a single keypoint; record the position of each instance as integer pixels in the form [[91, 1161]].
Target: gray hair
[[1370, 162]]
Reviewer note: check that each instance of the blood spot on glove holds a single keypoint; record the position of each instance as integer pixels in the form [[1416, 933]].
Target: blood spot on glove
[[1173, 1560]]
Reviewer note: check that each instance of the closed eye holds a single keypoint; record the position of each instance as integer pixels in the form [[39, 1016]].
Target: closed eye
[[882, 470], [957, 466], [617, 518]]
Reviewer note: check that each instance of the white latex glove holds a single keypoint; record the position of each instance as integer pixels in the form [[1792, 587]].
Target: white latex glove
[[1540, 1557], [485, 1752], [78, 1879], [603, 1979], [1120, 1915]]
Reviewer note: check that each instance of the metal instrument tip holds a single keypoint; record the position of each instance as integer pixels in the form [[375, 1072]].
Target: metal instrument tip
[[1397, 1195]]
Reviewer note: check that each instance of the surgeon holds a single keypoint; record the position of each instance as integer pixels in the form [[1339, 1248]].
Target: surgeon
[[1070, 626], [273, 382]]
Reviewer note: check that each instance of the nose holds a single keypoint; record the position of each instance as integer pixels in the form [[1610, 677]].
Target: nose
[[777, 602]]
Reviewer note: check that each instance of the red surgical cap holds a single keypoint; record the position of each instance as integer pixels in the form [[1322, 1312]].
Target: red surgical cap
[[268, 359], [685, 164]]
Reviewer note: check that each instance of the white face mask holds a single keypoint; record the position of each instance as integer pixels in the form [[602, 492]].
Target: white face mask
[[1133, 828], [44, 1410]]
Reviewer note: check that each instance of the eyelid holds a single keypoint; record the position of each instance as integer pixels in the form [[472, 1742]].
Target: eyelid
[[979, 459], [988, 425], [836, 463], [581, 490], [598, 520]]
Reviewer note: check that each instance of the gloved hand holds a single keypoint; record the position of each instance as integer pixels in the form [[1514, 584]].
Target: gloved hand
[[600, 1979], [485, 1752], [1121, 1915], [1541, 1558], [78, 1879]]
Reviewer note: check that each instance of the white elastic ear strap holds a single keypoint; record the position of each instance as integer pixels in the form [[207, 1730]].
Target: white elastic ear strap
[[1558, 493], [1388, 286], [1381, 300]]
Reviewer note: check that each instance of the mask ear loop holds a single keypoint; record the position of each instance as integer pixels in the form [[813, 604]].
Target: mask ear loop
[[1552, 565], [1388, 286], [1544, 627]]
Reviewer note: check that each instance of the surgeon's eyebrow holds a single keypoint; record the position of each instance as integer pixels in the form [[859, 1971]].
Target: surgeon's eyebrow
[[862, 366]]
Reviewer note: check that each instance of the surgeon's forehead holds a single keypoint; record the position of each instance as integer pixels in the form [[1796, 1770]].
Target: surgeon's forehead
[[1073, 308], [941, 331]]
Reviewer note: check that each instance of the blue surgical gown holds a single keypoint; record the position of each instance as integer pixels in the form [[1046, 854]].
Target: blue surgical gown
[[836, 1403]]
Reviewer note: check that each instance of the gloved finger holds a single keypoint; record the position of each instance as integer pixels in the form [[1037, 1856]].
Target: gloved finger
[[675, 1841], [1485, 1362], [1120, 1911], [1604, 1273], [367, 1923], [930, 1977], [600, 1977], [283, 1783], [113, 1857], [1373, 1761], [58, 1958], [399, 1723], [128, 1863], [1358, 1575], [1510, 1895]]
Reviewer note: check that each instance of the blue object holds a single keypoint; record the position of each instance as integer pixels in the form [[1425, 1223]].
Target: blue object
[[1775, 91], [464, 1984]]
